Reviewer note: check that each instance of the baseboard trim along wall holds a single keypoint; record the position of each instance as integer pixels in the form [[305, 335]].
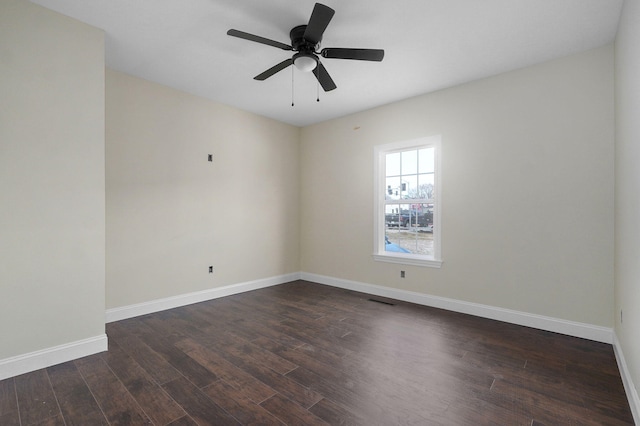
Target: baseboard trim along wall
[[117, 314], [570, 328], [32, 361], [627, 381]]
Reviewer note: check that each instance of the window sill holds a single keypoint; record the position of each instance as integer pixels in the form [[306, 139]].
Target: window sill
[[408, 260]]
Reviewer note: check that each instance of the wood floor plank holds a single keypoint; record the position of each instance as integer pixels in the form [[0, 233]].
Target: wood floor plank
[[335, 414], [117, 404], [252, 330], [154, 364], [442, 371], [256, 390], [314, 338], [544, 408], [318, 354], [175, 325], [596, 382], [183, 421], [402, 384], [290, 412], [306, 355], [187, 366], [556, 388], [36, 399], [473, 412], [606, 407], [56, 420], [388, 406], [76, 401], [235, 402], [282, 384], [225, 312], [198, 405], [161, 408], [286, 306], [9, 415], [275, 362]]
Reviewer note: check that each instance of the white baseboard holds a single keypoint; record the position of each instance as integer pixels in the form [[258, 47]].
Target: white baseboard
[[14, 366], [627, 381], [570, 328], [130, 311]]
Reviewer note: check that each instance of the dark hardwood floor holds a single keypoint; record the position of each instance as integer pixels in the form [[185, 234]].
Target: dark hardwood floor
[[308, 354]]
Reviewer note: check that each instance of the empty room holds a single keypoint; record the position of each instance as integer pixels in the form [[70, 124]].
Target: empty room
[[300, 213]]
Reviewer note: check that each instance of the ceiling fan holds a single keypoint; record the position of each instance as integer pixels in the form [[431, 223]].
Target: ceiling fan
[[305, 39]]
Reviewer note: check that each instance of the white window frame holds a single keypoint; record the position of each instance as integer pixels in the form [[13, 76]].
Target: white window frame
[[379, 252]]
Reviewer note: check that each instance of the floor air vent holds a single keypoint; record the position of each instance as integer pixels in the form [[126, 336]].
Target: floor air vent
[[382, 301]]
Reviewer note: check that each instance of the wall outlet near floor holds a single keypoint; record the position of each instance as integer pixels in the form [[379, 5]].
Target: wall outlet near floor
[[211, 269], [401, 274]]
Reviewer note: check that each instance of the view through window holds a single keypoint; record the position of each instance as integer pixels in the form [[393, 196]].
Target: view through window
[[409, 201]]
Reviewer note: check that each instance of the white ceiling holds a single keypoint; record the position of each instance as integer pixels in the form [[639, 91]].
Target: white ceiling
[[429, 45]]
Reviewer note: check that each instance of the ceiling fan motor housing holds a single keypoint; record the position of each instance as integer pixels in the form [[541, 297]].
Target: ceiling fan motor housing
[[299, 43], [306, 59]]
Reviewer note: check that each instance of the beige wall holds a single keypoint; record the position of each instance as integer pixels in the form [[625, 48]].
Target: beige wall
[[171, 213], [627, 235], [528, 183], [52, 198]]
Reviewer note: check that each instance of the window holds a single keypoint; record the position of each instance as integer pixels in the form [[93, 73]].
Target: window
[[407, 206]]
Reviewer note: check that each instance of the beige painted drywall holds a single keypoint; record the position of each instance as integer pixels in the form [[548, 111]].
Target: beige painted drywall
[[527, 198], [627, 235], [171, 213], [52, 198]]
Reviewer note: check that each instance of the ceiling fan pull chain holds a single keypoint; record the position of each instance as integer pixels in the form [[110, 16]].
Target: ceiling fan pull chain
[[292, 103], [317, 90]]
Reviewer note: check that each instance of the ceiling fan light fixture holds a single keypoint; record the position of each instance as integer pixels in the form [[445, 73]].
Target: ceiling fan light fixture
[[305, 62]]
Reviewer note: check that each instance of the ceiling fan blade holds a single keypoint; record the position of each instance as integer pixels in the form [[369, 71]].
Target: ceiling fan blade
[[324, 78], [320, 18], [274, 69], [357, 54], [258, 39]]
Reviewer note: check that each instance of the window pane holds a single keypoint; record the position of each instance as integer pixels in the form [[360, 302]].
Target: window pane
[[410, 183], [392, 216], [393, 164], [409, 162], [423, 217], [426, 160], [409, 229], [393, 188], [426, 186]]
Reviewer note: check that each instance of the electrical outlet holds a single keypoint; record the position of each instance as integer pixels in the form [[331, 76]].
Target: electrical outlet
[[401, 274], [211, 269], [211, 157]]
